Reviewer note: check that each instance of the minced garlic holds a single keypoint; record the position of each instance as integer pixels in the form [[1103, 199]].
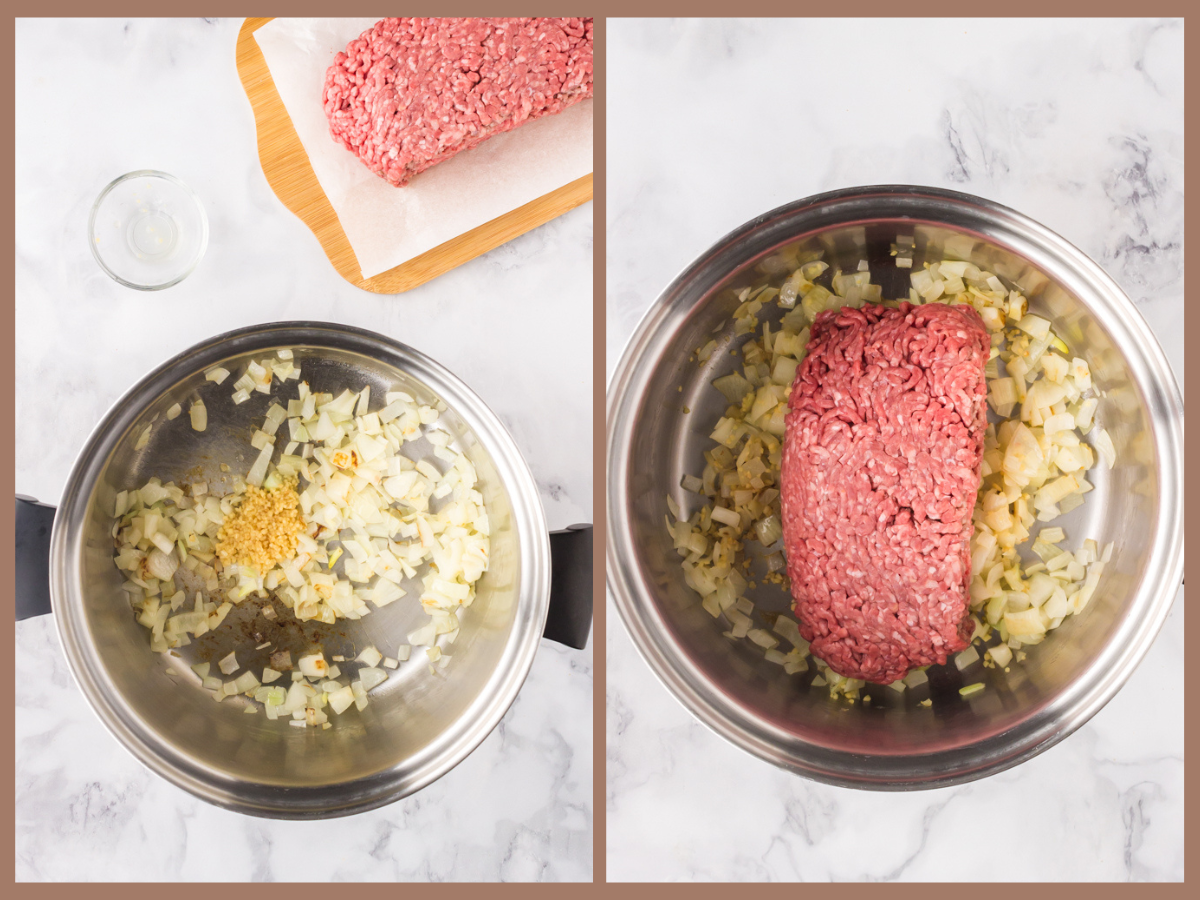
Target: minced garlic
[[263, 529]]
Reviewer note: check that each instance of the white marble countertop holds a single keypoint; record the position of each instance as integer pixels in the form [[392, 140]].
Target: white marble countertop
[[99, 98], [1077, 124]]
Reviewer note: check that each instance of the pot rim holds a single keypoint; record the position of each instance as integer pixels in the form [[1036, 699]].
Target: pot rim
[[703, 697], [322, 801]]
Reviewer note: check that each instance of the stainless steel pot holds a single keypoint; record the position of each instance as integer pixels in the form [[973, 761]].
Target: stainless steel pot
[[418, 724], [895, 744]]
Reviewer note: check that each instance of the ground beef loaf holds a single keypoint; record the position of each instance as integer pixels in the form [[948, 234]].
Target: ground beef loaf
[[412, 92], [881, 465]]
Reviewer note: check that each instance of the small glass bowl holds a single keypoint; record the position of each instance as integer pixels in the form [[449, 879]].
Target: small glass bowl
[[147, 230]]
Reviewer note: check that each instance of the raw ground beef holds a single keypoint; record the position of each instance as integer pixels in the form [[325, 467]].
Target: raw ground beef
[[412, 92], [881, 465]]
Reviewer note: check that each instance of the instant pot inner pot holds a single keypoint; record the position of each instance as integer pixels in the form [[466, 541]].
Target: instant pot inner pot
[[672, 433], [409, 717]]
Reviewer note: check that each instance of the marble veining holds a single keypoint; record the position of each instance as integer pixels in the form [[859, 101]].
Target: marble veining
[[95, 99], [1078, 124]]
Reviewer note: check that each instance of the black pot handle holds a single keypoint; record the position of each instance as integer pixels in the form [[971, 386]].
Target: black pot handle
[[570, 616], [35, 521]]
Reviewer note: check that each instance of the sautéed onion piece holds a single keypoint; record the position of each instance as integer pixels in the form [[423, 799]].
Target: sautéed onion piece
[[1042, 404]]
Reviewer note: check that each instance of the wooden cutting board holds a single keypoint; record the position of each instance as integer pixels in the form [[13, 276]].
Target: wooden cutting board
[[291, 177]]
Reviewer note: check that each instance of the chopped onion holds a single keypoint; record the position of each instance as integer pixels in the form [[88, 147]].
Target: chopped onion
[[370, 656], [1025, 622], [243, 683], [258, 471], [726, 516], [313, 666], [768, 530], [199, 415], [966, 657], [1035, 326], [161, 565], [275, 417], [1104, 445], [763, 638], [229, 664], [734, 387], [371, 677], [1001, 654]]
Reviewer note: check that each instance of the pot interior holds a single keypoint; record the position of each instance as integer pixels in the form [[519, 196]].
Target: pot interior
[[669, 412], [417, 724]]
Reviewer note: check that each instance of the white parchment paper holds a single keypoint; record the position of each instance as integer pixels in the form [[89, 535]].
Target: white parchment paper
[[386, 225]]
